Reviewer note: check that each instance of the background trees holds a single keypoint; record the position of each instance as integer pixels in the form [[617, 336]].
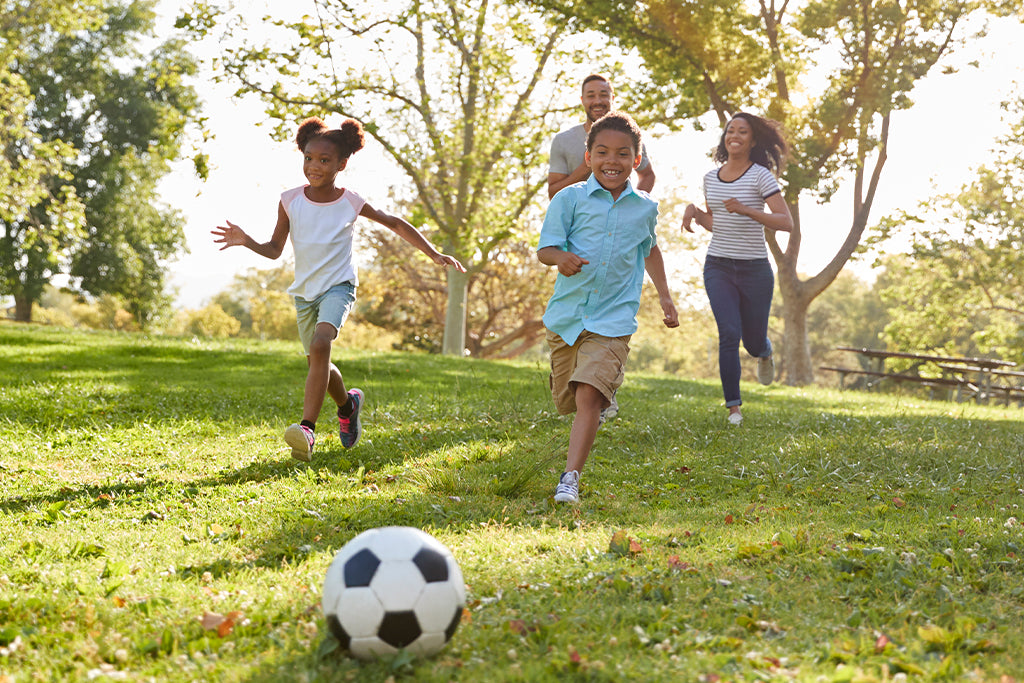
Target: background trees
[[961, 286], [102, 86], [832, 72], [461, 95]]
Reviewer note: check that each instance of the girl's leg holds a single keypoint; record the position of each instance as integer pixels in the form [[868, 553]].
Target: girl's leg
[[724, 297], [323, 375], [589, 402], [756, 284]]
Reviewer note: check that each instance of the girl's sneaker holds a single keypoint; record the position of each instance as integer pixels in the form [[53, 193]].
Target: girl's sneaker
[[350, 428], [568, 490], [301, 440]]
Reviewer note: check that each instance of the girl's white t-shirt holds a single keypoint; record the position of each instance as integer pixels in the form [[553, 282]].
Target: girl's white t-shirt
[[322, 237], [735, 236]]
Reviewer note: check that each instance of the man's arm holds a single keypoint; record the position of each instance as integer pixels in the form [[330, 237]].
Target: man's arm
[[556, 181], [645, 178]]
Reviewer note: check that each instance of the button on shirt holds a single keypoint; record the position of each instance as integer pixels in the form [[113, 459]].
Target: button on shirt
[[615, 236]]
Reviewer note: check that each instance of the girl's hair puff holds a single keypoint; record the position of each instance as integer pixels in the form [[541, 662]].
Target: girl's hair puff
[[769, 148], [348, 139], [619, 121]]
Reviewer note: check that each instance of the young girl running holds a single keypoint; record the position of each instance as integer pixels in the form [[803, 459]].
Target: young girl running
[[737, 275], [319, 217]]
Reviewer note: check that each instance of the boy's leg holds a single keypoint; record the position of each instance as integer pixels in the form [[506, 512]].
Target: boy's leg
[[589, 402]]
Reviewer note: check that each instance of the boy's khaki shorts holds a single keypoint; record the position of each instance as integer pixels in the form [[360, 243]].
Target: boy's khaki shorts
[[593, 359]]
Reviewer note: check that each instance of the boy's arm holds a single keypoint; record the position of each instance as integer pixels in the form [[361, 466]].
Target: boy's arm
[[233, 236], [568, 263], [410, 234], [655, 266]]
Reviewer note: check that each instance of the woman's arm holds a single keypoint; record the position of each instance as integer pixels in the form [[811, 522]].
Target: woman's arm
[[779, 218]]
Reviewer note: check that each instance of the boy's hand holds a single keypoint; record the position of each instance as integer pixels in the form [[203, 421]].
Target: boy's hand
[[230, 236], [446, 260], [669, 309], [569, 263]]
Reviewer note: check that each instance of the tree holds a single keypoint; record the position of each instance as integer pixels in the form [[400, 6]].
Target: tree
[[40, 214], [505, 298], [832, 71], [458, 93], [961, 288], [126, 109]]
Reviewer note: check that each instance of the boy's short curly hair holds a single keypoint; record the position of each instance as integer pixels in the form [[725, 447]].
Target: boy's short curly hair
[[619, 121], [348, 138]]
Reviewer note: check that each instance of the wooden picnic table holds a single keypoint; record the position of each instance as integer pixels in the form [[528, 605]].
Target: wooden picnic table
[[970, 377]]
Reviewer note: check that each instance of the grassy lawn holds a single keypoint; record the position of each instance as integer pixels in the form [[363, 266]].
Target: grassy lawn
[[833, 536]]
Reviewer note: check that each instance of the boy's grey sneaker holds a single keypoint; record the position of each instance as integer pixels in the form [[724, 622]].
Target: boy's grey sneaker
[[766, 370], [301, 439], [611, 411], [568, 490], [349, 428]]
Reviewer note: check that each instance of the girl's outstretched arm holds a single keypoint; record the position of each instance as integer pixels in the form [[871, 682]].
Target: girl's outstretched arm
[[410, 234], [233, 236]]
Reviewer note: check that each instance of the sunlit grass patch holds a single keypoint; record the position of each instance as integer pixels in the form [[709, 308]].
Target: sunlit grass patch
[[832, 536]]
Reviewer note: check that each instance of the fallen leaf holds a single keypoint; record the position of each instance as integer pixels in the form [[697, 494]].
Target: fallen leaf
[[728, 519], [880, 644], [898, 502], [619, 545], [675, 563], [221, 623], [635, 548]]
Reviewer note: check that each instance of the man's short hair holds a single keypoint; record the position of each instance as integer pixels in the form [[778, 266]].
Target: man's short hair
[[595, 77]]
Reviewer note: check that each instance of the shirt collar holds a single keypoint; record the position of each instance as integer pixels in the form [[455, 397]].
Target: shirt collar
[[594, 186]]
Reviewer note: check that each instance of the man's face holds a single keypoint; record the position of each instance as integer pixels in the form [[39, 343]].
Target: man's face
[[597, 99]]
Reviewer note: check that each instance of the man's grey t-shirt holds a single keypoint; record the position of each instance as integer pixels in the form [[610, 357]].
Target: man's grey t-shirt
[[569, 146]]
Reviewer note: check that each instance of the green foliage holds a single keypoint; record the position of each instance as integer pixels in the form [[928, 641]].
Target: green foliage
[[209, 321], [124, 107], [830, 71], [960, 289], [462, 95], [148, 495]]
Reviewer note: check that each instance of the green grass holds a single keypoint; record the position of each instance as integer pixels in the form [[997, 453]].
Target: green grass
[[833, 536]]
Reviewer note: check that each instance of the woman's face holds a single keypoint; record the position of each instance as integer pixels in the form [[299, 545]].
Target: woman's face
[[738, 138]]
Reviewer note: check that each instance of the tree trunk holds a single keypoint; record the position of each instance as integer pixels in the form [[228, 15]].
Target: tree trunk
[[454, 343], [796, 352], [22, 308]]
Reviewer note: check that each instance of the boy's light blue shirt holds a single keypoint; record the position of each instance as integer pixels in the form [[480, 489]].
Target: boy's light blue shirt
[[615, 237]]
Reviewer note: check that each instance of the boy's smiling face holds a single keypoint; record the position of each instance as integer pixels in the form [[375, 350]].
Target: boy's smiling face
[[612, 158]]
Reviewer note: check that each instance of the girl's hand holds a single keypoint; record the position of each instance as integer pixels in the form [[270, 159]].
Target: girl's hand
[[446, 260], [230, 236], [733, 205]]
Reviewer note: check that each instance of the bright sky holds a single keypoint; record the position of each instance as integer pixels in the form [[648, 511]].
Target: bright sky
[[933, 148]]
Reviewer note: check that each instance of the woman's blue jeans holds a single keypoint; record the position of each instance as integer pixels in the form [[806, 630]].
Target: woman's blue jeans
[[740, 292]]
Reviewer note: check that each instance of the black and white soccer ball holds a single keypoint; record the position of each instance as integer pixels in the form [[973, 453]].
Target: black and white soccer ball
[[393, 588]]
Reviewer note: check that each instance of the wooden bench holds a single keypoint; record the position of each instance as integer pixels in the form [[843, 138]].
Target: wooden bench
[[930, 382]]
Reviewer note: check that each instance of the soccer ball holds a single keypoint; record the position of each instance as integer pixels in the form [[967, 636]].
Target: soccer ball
[[391, 588]]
